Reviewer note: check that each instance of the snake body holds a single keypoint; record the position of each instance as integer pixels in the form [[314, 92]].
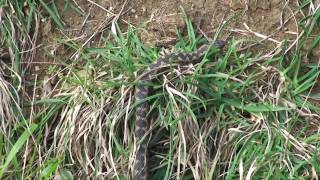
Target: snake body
[[142, 91]]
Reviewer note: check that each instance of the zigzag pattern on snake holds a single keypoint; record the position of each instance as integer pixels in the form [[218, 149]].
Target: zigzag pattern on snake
[[142, 91]]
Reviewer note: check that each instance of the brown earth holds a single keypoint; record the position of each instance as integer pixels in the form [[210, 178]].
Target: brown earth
[[246, 19], [273, 18]]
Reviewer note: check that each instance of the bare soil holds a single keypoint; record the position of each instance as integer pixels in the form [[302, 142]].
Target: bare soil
[[267, 21], [271, 18]]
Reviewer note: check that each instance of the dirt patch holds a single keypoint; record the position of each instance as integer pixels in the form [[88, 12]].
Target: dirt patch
[[269, 18], [268, 22], [272, 18]]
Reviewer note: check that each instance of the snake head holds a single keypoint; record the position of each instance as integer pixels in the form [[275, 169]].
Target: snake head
[[219, 43]]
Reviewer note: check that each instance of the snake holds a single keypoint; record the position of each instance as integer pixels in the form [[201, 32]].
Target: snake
[[142, 91]]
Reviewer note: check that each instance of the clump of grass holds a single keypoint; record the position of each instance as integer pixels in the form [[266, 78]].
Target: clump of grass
[[21, 133], [234, 115]]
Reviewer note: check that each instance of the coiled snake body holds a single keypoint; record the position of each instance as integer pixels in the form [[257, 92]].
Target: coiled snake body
[[142, 92]]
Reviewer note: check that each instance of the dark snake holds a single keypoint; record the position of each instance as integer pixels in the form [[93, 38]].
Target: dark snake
[[142, 91]]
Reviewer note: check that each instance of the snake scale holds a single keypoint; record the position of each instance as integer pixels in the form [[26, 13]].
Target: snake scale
[[142, 91]]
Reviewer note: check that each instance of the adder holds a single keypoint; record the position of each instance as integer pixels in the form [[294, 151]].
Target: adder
[[140, 169]]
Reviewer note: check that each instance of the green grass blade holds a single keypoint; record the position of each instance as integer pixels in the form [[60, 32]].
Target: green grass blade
[[16, 147]]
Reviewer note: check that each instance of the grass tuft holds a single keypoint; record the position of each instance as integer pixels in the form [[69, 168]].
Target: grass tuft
[[235, 115]]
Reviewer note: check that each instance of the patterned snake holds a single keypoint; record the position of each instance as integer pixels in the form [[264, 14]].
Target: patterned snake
[[142, 92]]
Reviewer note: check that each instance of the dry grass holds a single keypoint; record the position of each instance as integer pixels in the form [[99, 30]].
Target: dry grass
[[242, 116]]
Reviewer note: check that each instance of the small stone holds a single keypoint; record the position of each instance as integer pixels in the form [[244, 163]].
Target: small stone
[[36, 68], [52, 52]]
